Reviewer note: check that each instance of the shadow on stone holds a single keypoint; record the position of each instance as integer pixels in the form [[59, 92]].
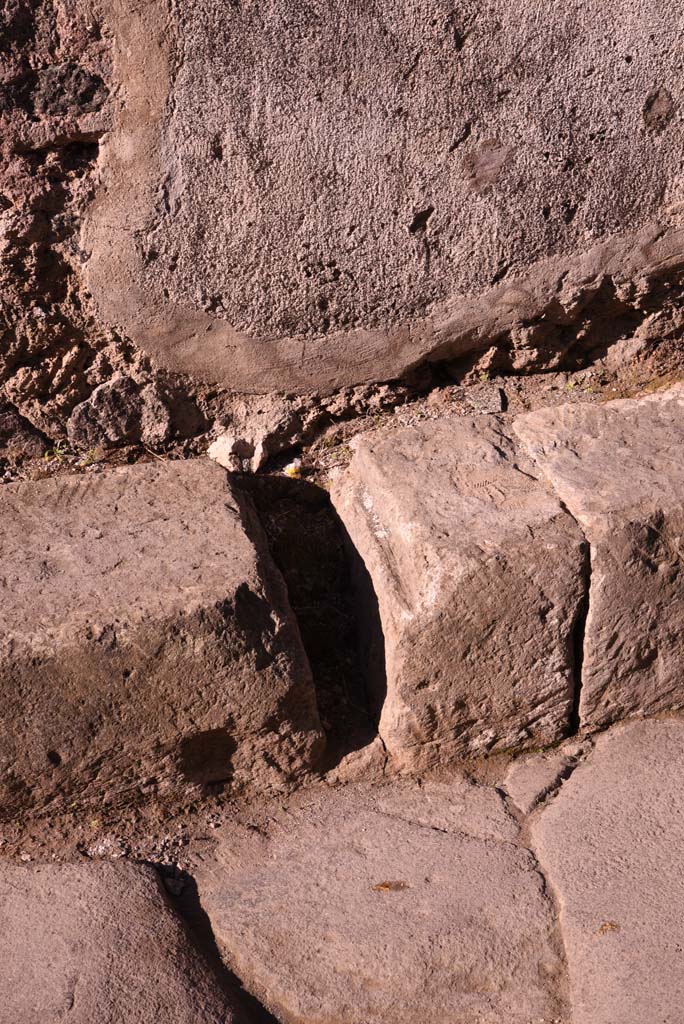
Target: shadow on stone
[[333, 600], [206, 756], [370, 639], [188, 906]]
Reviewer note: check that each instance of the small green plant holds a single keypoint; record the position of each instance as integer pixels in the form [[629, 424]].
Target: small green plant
[[60, 453], [91, 457]]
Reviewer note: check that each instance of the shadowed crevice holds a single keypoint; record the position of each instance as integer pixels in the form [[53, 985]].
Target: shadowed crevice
[[370, 637], [189, 908], [579, 629], [336, 610]]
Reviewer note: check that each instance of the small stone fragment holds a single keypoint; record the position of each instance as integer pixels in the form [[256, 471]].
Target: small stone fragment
[[230, 452], [120, 411], [530, 779]]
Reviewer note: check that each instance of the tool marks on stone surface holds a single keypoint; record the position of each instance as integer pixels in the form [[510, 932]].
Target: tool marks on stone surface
[[478, 573], [536, 550], [617, 468]]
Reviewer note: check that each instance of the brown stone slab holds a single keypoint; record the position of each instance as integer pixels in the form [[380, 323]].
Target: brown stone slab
[[146, 641], [478, 575], [99, 942], [389, 905], [610, 844], [619, 469]]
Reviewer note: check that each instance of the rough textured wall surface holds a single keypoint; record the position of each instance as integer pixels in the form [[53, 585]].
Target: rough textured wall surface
[[307, 196], [55, 79], [207, 197], [58, 96]]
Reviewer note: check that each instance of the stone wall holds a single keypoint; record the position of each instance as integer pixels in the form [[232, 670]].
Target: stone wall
[[215, 199]]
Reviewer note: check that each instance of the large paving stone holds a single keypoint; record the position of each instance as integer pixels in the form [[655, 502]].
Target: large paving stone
[[611, 845], [619, 470], [86, 943], [478, 574], [145, 641], [387, 905], [298, 197]]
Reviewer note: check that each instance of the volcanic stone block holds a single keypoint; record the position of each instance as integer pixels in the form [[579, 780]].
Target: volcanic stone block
[[619, 470], [311, 197], [478, 574], [145, 640], [610, 844], [99, 942], [388, 905]]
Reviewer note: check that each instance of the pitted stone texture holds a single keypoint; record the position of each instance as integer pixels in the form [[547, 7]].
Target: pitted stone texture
[[299, 197], [145, 640], [619, 469], [388, 905], [610, 843], [478, 576], [84, 943]]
